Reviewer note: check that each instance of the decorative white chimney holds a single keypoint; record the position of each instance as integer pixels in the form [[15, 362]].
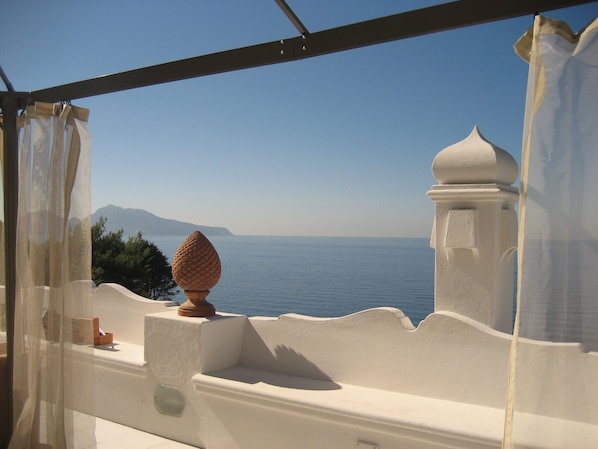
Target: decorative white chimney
[[475, 231]]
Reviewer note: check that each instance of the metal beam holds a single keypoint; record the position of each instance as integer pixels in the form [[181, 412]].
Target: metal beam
[[399, 26], [241, 58]]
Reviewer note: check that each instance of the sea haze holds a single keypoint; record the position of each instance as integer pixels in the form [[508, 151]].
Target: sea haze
[[318, 276]]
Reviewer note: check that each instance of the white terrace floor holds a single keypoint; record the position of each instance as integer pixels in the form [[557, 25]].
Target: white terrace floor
[[110, 435]]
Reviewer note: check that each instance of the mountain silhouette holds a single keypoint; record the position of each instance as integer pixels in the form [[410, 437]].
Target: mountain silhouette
[[132, 221]]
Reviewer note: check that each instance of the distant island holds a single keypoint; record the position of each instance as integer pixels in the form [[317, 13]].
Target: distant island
[[132, 221]]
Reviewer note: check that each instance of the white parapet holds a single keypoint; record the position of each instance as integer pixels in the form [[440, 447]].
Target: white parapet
[[122, 312], [365, 380], [475, 231]]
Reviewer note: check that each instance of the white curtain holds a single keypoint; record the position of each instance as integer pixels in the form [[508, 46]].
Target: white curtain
[[53, 356], [558, 243]]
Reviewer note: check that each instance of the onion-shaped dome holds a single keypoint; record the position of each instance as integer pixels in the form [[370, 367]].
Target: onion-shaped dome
[[475, 160]]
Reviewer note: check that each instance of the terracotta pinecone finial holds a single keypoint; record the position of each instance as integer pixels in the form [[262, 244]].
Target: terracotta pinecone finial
[[196, 269]]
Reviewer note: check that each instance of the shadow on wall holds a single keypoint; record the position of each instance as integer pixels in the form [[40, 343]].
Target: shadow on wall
[[283, 366]]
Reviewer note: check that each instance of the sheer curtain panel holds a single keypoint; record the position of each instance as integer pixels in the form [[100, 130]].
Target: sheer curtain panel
[[53, 366], [551, 384]]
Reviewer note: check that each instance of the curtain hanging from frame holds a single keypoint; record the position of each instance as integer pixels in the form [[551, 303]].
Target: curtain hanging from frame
[[557, 299], [53, 360]]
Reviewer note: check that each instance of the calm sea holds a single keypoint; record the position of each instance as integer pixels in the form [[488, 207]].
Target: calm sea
[[318, 276]]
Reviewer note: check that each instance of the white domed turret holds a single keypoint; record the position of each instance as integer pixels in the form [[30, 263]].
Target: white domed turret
[[474, 160], [475, 231]]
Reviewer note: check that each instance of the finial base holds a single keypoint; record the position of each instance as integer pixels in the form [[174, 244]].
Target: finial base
[[196, 305]]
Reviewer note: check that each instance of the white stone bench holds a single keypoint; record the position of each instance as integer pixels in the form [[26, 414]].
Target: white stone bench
[[360, 414], [370, 378]]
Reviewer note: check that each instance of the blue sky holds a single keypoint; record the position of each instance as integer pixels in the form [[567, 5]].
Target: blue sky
[[339, 145]]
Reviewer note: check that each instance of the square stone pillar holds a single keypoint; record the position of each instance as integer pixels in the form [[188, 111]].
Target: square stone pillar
[[178, 347]]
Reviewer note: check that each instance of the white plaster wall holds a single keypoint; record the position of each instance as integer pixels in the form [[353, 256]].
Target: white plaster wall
[[446, 357], [122, 312]]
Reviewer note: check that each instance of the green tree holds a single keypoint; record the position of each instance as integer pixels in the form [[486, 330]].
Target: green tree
[[136, 263]]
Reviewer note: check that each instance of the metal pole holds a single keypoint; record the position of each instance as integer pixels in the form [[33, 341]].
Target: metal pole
[[10, 106], [292, 16], [5, 80]]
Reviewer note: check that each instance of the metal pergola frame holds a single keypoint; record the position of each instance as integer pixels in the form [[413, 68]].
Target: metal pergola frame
[[413, 23]]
